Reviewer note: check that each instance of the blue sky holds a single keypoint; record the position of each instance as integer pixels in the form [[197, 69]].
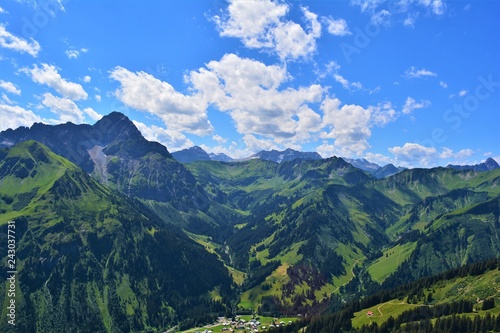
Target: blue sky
[[410, 82]]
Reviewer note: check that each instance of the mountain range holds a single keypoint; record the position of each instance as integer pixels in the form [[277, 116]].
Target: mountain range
[[105, 215]]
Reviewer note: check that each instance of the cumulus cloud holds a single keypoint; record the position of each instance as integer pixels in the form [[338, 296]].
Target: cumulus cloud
[[382, 114], [64, 108], [378, 158], [12, 42], [171, 139], [3, 11], [414, 73], [262, 24], [15, 116], [348, 125], [255, 145], [87, 79], [267, 113], [250, 92], [411, 105], [48, 75], [219, 138], [179, 112], [92, 114], [416, 155], [10, 87], [337, 27], [443, 84]]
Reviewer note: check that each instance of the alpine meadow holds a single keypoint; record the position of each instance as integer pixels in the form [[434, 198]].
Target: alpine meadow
[[250, 166]]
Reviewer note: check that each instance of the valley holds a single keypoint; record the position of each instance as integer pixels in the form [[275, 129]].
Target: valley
[[127, 238]]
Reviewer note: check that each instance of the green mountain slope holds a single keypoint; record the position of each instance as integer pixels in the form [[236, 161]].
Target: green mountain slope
[[301, 232], [464, 299], [91, 260]]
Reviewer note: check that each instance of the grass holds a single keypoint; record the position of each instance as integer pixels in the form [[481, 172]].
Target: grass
[[210, 246], [390, 261], [475, 288], [251, 299], [381, 312]]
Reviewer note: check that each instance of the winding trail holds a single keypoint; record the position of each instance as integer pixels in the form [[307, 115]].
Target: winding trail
[[352, 272]]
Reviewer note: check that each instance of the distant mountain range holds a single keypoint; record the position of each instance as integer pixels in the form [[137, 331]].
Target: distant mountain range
[[196, 153], [489, 164], [118, 235]]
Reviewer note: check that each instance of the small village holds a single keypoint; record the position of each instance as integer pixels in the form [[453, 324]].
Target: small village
[[243, 324]]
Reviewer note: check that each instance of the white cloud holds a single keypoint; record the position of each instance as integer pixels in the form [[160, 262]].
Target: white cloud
[[411, 105], [10, 87], [74, 54], [337, 27], [10, 41], [461, 155], [219, 139], [250, 91], [367, 5], [416, 155], [378, 159], [87, 79], [326, 150], [462, 92], [349, 125], [382, 114], [65, 108], [92, 114], [261, 24], [3, 11], [172, 139], [255, 145], [437, 7], [179, 112], [413, 73], [7, 99], [98, 98], [15, 116], [346, 84], [382, 17], [413, 154], [49, 76], [443, 84], [410, 20]]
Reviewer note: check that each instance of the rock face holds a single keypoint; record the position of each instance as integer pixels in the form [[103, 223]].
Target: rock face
[[117, 154]]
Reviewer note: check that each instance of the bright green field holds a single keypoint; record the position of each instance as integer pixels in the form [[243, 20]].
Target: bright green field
[[390, 261]]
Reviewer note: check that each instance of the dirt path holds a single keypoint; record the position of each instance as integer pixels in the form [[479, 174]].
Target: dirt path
[[352, 273]]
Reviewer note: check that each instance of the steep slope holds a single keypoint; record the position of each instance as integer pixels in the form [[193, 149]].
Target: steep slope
[[91, 260], [456, 225], [114, 152]]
